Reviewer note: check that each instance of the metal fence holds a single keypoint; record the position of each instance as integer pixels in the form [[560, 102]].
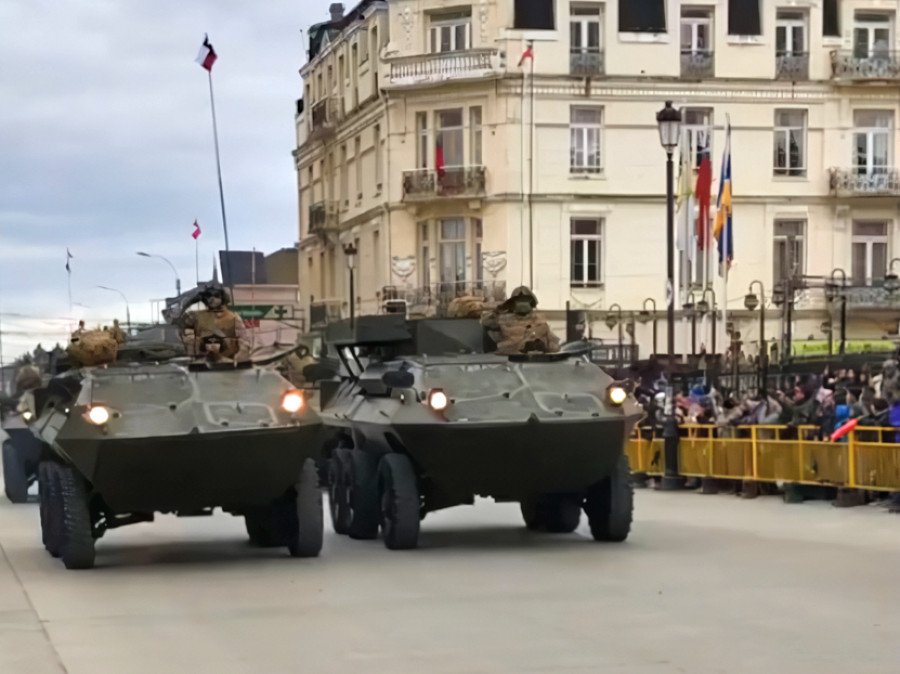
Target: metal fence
[[869, 459]]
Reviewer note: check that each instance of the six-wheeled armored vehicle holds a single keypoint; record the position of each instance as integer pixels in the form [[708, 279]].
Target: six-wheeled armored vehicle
[[422, 418], [179, 437]]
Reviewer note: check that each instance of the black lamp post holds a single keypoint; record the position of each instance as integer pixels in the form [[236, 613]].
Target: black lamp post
[[669, 121], [611, 321], [751, 301], [832, 292], [644, 317], [691, 308], [350, 253]]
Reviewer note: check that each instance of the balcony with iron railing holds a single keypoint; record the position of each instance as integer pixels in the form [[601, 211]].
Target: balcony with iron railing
[[873, 65], [427, 68], [587, 62], [697, 65], [435, 299], [324, 116], [793, 66], [323, 217], [853, 182], [450, 181]]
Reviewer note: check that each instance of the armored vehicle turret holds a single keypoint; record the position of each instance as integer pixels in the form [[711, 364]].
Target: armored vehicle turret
[[424, 417]]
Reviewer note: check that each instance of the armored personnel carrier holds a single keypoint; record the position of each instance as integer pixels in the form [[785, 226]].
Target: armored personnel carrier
[[422, 418], [128, 442]]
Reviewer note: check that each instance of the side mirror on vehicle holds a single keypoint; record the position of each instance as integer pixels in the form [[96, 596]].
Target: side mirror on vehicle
[[398, 379]]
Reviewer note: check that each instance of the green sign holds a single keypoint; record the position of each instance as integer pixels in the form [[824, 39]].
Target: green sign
[[820, 347], [253, 311]]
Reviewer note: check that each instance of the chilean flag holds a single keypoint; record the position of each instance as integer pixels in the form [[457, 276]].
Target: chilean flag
[[196, 233], [207, 55]]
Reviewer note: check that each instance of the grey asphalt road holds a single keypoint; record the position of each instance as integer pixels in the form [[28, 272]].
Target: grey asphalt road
[[705, 584]]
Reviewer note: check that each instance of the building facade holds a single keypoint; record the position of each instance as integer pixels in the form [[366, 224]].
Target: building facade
[[470, 148]]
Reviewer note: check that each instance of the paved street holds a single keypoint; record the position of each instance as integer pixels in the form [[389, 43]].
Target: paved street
[[705, 584]]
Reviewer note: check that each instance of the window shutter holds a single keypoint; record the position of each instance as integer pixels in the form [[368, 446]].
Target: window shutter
[[534, 15], [642, 16], [743, 17], [830, 25]]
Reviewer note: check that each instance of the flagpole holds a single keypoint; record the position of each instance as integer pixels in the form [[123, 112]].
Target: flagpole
[[212, 104], [197, 258]]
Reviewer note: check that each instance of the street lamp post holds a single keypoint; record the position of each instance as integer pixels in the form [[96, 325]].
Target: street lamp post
[[669, 122], [644, 316], [832, 291], [691, 308], [611, 322], [350, 252], [168, 262], [751, 302], [127, 308]]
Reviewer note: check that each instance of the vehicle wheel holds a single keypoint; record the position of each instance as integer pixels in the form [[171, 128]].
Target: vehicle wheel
[[609, 505], [77, 541], [44, 506], [532, 513], [339, 490], [262, 527], [15, 480], [554, 513], [400, 504], [562, 513], [304, 538], [53, 510], [364, 503]]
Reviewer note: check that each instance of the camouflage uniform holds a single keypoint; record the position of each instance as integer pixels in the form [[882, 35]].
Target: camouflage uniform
[[214, 325], [517, 328], [117, 333]]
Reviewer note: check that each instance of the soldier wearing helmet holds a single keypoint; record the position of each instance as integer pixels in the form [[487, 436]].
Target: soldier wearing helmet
[[217, 332], [517, 328]]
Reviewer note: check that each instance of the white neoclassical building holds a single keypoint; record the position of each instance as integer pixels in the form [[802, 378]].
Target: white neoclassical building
[[452, 165]]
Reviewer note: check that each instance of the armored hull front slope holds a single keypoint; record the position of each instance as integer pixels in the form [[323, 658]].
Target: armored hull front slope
[[131, 441], [423, 421]]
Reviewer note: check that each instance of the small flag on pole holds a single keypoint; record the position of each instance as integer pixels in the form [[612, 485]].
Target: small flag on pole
[[703, 192], [722, 230], [197, 231], [69, 256], [527, 54], [207, 55]]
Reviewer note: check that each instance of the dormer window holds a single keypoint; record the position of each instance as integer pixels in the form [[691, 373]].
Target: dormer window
[[451, 31]]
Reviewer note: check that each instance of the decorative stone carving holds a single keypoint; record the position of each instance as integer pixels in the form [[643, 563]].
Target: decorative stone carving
[[403, 267], [483, 20], [494, 262], [408, 21]]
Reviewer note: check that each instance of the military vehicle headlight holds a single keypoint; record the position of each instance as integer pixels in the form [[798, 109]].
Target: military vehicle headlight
[[292, 401], [27, 416], [98, 415], [438, 400], [617, 395]]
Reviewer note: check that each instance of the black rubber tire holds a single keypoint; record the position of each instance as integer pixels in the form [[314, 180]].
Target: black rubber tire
[[553, 513], [54, 510], [610, 503], [400, 503], [15, 479], [339, 490], [562, 513], [364, 504], [78, 540], [262, 527], [532, 513], [306, 519], [44, 506]]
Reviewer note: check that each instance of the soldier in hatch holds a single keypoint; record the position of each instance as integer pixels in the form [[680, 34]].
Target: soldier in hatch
[[517, 328], [217, 332]]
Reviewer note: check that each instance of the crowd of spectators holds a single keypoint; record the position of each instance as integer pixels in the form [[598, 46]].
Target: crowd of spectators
[[813, 404]]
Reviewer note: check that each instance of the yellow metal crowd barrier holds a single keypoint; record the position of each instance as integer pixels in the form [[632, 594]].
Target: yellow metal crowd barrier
[[867, 458]]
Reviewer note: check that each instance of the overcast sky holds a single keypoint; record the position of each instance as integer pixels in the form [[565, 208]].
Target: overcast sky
[[106, 148]]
